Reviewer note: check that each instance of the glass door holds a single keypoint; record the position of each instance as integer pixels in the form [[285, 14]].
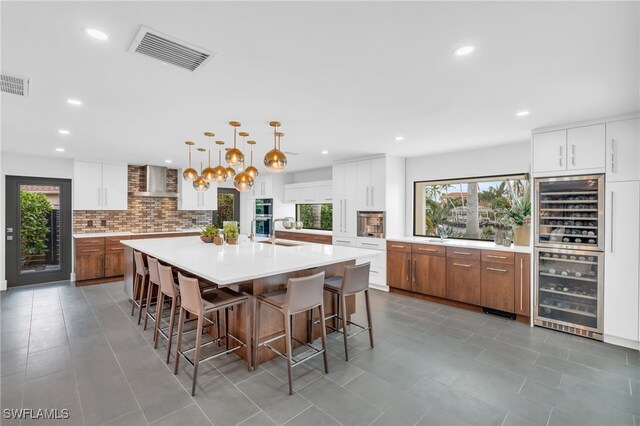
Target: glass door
[[38, 246], [570, 212], [569, 288]]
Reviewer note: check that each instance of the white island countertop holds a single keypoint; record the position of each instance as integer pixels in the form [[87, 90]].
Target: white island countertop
[[471, 244], [229, 264]]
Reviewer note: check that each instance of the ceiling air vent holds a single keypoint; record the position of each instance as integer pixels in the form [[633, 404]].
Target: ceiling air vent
[[16, 85], [170, 50]]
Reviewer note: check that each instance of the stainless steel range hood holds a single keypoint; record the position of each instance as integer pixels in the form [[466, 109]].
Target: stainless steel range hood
[[155, 182]]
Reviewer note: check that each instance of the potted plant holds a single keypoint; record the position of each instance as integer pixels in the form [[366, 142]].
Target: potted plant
[[518, 214], [231, 232], [208, 233], [34, 211]]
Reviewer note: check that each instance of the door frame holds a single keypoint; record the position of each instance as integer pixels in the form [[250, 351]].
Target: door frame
[[12, 220]]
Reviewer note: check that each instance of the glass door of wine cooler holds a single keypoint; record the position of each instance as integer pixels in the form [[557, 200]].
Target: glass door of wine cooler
[[570, 212], [568, 293]]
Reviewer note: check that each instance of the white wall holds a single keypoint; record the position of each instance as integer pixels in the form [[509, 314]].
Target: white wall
[[12, 164], [491, 161], [313, 175]]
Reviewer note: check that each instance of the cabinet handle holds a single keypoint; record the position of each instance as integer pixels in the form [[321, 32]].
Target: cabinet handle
[[613, 155], [395, 246], [90, 250], [369, 244], [413, 275], [426, 249], [106, 200], [611, 227], [560, 156], [373, 272], [367, 196], [342, 241], [496, 269], [373, 192], [465, 253], [409, 270], [117, 248], [521, 281], [341, 209], [573, 155], [308, 199], [493, 256], [464, 265], [98, 196]]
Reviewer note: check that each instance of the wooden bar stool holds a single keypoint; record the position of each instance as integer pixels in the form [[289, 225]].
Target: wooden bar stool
[[139, 281], [355, 280], [154, 281], [201, 306], [302, 294]]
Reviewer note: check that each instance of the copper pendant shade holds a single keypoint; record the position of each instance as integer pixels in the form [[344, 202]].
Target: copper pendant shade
[[190, 174], [275, 161], [234, 156], [243, 181], [219, 171], [201, 184], [208, 173], [251, 170]]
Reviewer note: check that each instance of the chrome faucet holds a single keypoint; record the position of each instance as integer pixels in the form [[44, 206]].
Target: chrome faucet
[[252, 235], [273, 230]]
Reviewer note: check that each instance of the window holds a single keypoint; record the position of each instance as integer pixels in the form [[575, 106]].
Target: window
[[315, 216], [471, 208], [228, 207]]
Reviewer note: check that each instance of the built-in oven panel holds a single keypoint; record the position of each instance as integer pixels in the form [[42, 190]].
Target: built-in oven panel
[[371, 224]]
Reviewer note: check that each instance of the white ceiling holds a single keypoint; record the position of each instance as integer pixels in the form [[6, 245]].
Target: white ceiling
[[346, 77]]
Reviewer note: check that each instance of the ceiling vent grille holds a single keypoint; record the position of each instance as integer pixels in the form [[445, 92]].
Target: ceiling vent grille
[[15, 85], [170, 50]]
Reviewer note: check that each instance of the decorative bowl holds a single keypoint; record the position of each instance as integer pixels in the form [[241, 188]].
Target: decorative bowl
[[206, 239]]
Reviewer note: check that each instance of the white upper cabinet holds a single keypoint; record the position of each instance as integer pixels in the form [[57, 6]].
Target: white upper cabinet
[[370, 184], [263, 187], [586, 147], [623, 150], [550, 151], [319, 192], [190, 199], [99, 186], [622, 250], [344, 201]]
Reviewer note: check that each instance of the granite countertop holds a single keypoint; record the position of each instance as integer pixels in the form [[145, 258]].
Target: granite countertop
[[472, 244], [229, 264], [125, 233]]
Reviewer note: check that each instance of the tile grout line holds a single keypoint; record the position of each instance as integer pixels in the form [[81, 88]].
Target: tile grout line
[[374, 420], [522, 385]]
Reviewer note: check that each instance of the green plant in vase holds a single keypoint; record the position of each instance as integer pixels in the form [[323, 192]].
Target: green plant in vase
[[230, 230], [518, 214], [208, 233]]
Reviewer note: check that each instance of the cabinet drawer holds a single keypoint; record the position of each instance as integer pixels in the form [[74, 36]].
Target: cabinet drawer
[[463, 280], [497, 286], [114, 248], [497, 256], [344, 241], [90, 241], [430, 249], [90, 250], [463, 253], [372, 243], [395, 246], [116, 240]]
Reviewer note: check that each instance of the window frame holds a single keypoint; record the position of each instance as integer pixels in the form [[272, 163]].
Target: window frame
[[311, 204], [514, 176]]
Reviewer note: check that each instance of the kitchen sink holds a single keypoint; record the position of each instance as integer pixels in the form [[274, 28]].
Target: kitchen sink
[[281, 243]]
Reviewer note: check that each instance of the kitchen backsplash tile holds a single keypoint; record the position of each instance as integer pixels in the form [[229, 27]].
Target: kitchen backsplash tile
[[145, 214]]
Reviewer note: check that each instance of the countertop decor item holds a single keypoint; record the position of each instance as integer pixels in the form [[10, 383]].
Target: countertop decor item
[[275, 161], [234, 156], [190, 174], [208, 233], [518, 215], [231, 232]]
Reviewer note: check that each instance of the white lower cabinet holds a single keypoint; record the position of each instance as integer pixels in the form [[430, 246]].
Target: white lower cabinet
[[622, 256], [378, 272], [344, 241]]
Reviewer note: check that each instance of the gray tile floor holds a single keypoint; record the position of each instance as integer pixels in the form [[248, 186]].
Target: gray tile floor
[[78, 349]]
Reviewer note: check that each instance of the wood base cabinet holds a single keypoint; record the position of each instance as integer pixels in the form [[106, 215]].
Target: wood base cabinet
[[429, 270], [399, 269], [496, 286], [463, 280]]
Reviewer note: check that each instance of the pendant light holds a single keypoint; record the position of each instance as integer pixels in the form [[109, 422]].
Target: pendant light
[[251, 170], [231, 172], [200, 184], [208, 173], [234, 156], [275, 161], [220, 171], [190, 174], [243, 180]]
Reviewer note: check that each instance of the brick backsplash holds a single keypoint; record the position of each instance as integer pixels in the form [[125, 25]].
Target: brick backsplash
[[145, 214]]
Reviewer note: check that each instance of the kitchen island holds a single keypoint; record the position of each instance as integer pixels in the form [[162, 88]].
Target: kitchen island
[[252, 268]]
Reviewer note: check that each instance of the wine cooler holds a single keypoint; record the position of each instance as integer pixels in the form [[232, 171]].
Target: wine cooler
[[569, 239]]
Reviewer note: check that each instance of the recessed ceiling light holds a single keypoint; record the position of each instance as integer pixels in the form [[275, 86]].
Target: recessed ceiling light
[[325, 152], [74, 102], [399, 138], [95, 33], [60, 149], [63, 132], [522, 113], [167, 161], [464, 50]]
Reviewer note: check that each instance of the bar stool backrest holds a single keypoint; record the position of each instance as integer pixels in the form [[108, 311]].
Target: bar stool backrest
[[137, 256], [190, 297], [356, 278], [167, 284], [304, 293], [152, 262]]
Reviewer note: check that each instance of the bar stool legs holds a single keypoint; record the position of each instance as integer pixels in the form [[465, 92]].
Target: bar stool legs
[[343, 315], [368, 305], [287, 339]]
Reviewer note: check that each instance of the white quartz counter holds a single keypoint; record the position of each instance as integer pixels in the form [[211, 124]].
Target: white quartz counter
[[307, 231], [126, 233], [228, 264], [486, 245]]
